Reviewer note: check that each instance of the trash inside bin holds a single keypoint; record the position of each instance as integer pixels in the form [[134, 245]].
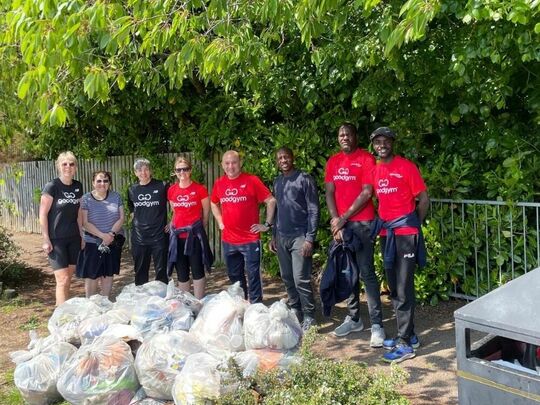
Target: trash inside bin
[[503, 366]]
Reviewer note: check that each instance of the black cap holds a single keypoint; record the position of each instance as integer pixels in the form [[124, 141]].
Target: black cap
[[382, 131]]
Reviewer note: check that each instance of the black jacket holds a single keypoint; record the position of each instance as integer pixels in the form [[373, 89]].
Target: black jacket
[[341, 272]]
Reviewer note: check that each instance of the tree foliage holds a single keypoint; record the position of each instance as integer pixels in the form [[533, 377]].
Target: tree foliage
[[459, 81]]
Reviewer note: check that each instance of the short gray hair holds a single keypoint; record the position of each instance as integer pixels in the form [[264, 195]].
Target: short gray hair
[[139, 163]]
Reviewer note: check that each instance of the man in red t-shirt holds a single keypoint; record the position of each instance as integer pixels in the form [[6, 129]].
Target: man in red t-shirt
[[398, 184], [235, 201], [348, 197]]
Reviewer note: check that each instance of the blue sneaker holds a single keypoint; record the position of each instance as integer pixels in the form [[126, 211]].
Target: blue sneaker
[[399, 353], [389, 344]]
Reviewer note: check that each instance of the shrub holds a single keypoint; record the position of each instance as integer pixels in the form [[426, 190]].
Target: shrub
[[316, 380]]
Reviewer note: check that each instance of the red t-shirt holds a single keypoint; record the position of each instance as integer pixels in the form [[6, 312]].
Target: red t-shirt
[[239, 201], [349, 173], [396, 185], [186, 204]]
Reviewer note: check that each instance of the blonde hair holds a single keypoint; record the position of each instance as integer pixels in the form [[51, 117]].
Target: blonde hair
[[182, 159], [67, 155]]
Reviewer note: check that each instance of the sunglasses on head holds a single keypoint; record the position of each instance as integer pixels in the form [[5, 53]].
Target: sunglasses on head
[[70, 164], [182, 169], [102, 181]]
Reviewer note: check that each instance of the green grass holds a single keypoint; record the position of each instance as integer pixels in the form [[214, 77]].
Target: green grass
[[31, 324]]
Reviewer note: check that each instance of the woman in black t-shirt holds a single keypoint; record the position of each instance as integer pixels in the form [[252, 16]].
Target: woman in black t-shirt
[[61, 223]]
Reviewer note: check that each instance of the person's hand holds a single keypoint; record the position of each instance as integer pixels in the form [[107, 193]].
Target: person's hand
[[83, 243], [338, 236], [257, 228], [307, 249], [167, 228], [47, 246], [221, 226], [272, 246], [107, 239], [337, 223]]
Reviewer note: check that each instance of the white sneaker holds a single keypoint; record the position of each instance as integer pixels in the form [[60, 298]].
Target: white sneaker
[[377, 336], [348, 326]]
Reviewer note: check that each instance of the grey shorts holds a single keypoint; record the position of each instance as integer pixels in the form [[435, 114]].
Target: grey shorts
[[65, 252]]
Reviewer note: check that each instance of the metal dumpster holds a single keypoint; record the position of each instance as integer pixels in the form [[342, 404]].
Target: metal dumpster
[[506, 326]]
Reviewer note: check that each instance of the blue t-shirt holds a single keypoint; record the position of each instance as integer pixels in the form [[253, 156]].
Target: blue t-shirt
[[102, 213]]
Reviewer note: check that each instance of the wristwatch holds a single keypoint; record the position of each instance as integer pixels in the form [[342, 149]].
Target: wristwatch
[[268, 225]]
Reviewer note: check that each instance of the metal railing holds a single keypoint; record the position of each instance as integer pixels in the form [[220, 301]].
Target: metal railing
[[488, 242]]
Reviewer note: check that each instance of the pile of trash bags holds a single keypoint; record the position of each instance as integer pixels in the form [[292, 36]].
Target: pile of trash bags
[[154, 344]]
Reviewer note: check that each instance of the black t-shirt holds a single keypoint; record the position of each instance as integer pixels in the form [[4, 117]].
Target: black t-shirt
[[149, 206], [64, 210]]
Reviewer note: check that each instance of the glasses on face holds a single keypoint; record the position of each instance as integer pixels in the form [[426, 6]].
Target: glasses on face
[[104, 181], [182, 169], [70, 164]]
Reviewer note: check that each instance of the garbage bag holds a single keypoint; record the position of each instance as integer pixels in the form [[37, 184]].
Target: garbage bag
[[161, 358], [141, 398], [158, 314], [186, 298], [93, 327], [198, 382], [261, 360], [220, 322], [37, 345], [67, 317], [101, 372], [275, 328], [36, 378]]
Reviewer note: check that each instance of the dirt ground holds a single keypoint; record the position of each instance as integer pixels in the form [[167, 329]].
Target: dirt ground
[[432, 372]]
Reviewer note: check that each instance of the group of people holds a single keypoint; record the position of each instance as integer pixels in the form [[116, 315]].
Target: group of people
[[83, 233]]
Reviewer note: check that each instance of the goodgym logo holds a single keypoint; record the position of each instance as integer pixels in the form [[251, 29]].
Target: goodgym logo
[[344, 171], [182, 198], [144, 197], [69, 195], [383, 183], [231, 192]]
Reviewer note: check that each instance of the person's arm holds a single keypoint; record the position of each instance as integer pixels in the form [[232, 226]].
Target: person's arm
[[89, 227], [117, 226], [423, 205], [358, 204], [270, 203], [312, 200], [205, 202], [216, 211], [44, 208]]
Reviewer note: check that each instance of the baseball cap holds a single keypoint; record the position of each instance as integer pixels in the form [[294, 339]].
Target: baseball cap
[[382, 131]]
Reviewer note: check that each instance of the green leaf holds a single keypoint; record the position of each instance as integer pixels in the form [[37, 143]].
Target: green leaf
[[24, 85]]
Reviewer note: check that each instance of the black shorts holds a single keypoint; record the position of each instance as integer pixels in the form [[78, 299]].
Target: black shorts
[[64, 252], [185, 263], [94, 264]]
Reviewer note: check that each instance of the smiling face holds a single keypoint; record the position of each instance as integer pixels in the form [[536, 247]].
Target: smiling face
[[383, 147], [231, 164], [285, 161], [182, 171], [144, 174], [67, 168], [101, 182], [347, 140]]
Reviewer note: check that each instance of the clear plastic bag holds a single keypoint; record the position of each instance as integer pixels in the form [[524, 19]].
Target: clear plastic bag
[[36, 378], [275, 328], [220, 324], [198, 382], [66, 318], [161, 358], [99, 373], [189, 301], [159, 315]]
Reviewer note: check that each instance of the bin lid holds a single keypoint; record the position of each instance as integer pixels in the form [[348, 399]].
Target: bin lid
[[514, 307]]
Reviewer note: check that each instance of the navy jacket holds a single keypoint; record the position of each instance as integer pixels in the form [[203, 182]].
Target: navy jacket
[[341, 272], [389, 254], [196, 234]]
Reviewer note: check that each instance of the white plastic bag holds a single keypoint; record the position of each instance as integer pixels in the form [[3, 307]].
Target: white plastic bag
[[220, 322], [158, 315], [275, 328], [66, 318], [199, 381], [161, 358], [189, 301], [36, 378], [99, 373]]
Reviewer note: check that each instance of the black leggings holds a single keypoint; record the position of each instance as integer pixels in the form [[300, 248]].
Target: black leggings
[[185, 263]]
